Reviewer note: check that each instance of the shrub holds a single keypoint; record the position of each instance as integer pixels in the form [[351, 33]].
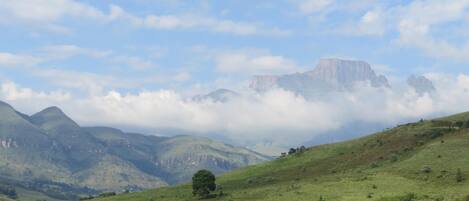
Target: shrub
[[458, 124], [466, 124], [86, 198], [8, 191], [436, 134], [408, 197], [466, 198], [203, 182], [459, 176], [108, 194], [292, 151], [302, 149], [426, 169], [394, 158]]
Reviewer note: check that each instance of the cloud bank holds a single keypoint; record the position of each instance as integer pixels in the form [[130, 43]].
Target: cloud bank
[[49, 15], [278, 117]]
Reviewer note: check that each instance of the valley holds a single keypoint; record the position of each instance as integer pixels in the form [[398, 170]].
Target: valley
[[425, 160]]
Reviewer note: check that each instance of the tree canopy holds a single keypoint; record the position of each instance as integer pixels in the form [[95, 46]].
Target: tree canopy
[[203, 182]]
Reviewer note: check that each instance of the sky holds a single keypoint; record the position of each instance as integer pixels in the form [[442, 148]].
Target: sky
[[134, 64]]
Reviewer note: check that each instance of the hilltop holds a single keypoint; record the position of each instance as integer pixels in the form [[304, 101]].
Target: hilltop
[[416, 161], [48, 155]]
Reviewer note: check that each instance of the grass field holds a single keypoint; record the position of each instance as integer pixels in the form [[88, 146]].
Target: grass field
[[417, 161]]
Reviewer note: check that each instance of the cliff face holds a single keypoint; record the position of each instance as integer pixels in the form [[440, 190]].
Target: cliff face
[[421, 84], [344, 73], [329, 75], [263, 82]]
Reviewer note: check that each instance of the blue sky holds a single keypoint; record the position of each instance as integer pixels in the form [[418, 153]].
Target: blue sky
[[73, 53], [187, 37]]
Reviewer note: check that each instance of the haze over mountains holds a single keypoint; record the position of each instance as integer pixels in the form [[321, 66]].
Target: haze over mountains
[[329, 75], [338, 99], [334, 101], [48, 150], [333, 75], [421, 84]]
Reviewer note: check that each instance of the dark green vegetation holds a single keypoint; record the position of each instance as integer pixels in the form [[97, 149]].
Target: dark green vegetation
[[8, 191], [427, 160], [203, 182], [49, 155]]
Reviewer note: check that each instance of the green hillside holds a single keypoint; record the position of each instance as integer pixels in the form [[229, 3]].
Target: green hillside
[[417, 161], [49, 155]]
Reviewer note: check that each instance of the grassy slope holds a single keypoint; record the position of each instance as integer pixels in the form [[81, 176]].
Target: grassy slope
[[381, 167], [27, 195]]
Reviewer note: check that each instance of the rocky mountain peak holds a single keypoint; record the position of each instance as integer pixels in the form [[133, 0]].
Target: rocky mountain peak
[[345, 73], [421, 84], [329, 75], [219, 95]]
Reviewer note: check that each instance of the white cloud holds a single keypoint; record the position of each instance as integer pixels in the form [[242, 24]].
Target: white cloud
[[313, 6], [87, 82], [45, 14], [421, 24], [182, 76], [63, 52], [278, 117], [66, 51], [49, 15], [372, 23], [168, 78], [169, 22], [253, 62], [31, 100], [419, 21], [133, 62], [47, 10], [12, 60]]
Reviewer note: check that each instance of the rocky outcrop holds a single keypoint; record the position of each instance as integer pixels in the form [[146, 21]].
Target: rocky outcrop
[[263, 82], [421, 84], [329, 75], [345, 73]]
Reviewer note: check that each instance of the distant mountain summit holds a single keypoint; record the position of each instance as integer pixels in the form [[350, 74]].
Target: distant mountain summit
[[52, 118], [329, 75], [345, 73], [421, 84], [219, 95]]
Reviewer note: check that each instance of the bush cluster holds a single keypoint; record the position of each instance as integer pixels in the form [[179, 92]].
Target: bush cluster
[[293, 151], [8, 191]]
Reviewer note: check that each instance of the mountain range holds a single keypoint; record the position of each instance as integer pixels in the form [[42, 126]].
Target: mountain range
[[333, 75], [50, 153], [328, 78]]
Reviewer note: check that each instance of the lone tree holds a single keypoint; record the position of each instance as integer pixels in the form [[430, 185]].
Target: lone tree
[[202, 183]]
